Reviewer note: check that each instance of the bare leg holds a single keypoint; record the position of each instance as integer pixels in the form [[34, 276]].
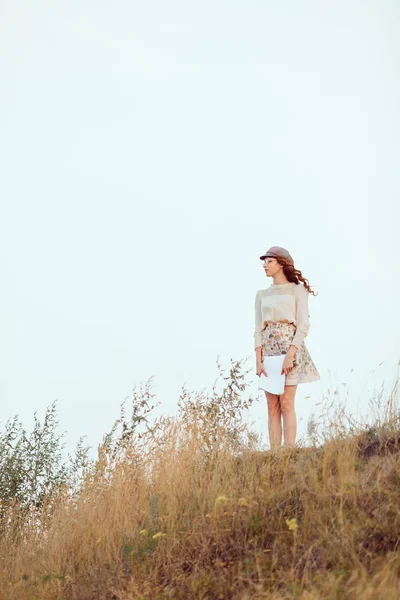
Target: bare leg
[[289, 415], [274, 420]]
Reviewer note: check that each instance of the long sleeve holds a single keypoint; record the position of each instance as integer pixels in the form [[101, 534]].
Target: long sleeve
[[302, 315], [257, 329]]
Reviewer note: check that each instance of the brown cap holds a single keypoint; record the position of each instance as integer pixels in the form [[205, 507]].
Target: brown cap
[[278, 252]]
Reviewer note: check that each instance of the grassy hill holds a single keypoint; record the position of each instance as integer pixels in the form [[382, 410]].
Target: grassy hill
[[190, 507]]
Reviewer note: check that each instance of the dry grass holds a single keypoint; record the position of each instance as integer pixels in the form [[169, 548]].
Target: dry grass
[[174, 519]]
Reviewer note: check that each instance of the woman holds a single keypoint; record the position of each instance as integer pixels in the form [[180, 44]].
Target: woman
[[281, 324]]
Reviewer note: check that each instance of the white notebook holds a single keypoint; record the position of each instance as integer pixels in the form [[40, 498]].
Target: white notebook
[[275, 382]]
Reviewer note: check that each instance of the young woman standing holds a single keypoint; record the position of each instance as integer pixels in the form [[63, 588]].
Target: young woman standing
[[281, 324]]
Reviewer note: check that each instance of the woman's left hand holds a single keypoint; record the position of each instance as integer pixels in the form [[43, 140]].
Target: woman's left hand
[[288, 364]]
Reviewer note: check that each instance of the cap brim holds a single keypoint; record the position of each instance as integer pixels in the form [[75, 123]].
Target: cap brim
[[266, 256]]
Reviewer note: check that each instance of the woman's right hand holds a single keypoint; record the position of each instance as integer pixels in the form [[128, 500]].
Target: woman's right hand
[[260, 369]]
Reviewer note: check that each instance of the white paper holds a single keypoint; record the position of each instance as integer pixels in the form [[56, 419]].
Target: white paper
[[275, 382]]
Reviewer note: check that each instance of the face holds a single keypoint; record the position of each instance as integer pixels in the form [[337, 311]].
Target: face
[[271, 266]]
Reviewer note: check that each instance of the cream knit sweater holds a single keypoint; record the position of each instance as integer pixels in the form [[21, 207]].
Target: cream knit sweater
[[282, 302]]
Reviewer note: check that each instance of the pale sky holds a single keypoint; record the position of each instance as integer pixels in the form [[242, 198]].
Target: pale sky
[[151, 154]]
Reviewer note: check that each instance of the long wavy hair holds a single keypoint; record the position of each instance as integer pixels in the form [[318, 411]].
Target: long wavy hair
[[295, 276]]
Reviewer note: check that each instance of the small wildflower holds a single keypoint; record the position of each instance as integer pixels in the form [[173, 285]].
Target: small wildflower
[[158, 535], [242, 502], [292, 524], [143, 532], [221, 500]]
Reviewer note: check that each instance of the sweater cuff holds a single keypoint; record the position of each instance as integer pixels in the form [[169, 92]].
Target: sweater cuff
[[257, 339], [298, 338]]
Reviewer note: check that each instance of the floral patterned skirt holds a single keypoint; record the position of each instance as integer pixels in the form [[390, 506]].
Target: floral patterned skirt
[[276, 338]]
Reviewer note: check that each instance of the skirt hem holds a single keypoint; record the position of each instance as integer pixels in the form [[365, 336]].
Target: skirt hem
[[301, 380]]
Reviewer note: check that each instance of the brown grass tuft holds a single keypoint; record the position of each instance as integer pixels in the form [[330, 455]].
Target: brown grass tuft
[[175, 517]]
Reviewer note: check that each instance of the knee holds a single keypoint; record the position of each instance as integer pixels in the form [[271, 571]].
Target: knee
[[287, 406], [274, 406]]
